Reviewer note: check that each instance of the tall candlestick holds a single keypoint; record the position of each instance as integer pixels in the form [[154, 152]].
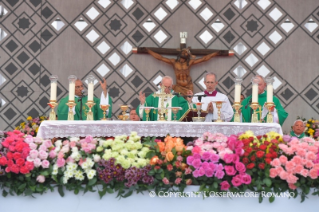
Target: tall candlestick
[[255, 82], [90, 80], [54, 82], [237, 89], [270, 89], [72, 80]]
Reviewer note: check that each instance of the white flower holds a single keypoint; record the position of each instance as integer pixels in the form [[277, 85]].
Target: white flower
[[133, 133], [75, 149], [74, 139], [126, 164], [85, 165], [71, 166], [65, 180], [58, 143], [114, 154], [141, 154], [91, 174], [54, 172], [96, 158], [124, 152], [68, 173], [90, 162], [107, 143]]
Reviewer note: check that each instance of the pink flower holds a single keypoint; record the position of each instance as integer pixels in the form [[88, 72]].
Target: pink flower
[[52, 154], [43, 155], [201, 172], [189, 160], [65, 149], [33, 146], [70, 160], [224, 186], [214, 158], [235, 158], [240, 167], [66, 142], [230, 170], [292, 178], [212, 166], [206, 156], [45, 164], [313, 149], [40, 179], [178, 180], [207, 146], [28, 139], [290, 166], [34, 154], [205, 165], [313, 173], [37, 162], [283, 175], [228, 158], [279, 169], [311, 156], [209, 172], [275, 162], [43, 148], [196, 163], [289, 151], [245, 178], [219, 167], [60, 162], [196, 173], [165, 181], [273, 173], [198, 142], [60, 155], [179, 158], [188, 171], [236, 181], [47, 143], [292, 186], [304, 172], [197, 150], [283, 159], [298, 168], [219, 174], [301, 152], [309, 164], [196, 156]]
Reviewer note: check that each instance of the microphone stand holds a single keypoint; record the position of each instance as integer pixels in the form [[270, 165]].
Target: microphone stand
[[80, 100]]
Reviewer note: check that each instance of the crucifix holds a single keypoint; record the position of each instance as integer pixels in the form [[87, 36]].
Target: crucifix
[[185, 59], [162, 95]]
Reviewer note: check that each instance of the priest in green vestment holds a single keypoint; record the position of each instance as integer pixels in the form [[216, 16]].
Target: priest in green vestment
[[278, 112], [298, 129], [79, 114], [151, 101]]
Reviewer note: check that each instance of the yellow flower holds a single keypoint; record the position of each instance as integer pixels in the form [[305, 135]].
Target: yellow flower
[[36, 130], [29, 118], [308, 125]]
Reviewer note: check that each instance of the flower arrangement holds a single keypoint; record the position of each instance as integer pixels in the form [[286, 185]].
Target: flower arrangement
[[31, 125], [168, 160], [312, 128], [298, 165]]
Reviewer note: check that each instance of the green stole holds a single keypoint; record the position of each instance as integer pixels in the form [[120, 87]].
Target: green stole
[[292, 133], [262, 98], [63, 109], [152, 101]]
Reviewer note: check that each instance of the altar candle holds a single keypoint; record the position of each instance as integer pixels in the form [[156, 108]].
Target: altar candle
[[270, 91], [255, 93], [237, 92], [71, 90], [90, 91], [53, 90]]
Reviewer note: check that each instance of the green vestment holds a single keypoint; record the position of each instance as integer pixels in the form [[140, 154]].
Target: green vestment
[[262, 98], [292, 133], [63, 109], [152, 101]]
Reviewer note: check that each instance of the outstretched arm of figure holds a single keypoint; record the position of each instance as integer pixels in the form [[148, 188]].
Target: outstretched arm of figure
[[205, 58], [160, 57]]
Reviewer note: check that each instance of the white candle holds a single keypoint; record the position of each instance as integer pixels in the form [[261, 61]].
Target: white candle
[[71, 91], [53, 91], [90, 91], [237, 92], [255, 93], [270, 92]]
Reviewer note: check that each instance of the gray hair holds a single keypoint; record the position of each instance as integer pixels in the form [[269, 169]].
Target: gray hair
[[261, 77], [167, 77], [211, 73], [299, 120]]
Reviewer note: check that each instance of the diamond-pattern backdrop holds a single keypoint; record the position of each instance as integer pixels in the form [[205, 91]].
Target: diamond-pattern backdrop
[[39, 38]]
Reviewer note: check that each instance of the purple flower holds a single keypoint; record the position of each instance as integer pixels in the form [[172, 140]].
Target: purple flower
[[286, 138]]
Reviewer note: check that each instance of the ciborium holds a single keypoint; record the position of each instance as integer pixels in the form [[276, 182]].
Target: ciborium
[[104, 108]]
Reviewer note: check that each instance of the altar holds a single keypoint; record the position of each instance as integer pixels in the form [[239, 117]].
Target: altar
[[51, 129]]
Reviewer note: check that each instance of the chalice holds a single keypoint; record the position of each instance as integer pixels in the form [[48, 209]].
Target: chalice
[[198, 108], [124, 109], [175, 111], [104, 108], [270, 106], [219, 105]]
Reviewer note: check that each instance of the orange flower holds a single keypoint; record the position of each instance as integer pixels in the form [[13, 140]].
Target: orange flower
[[184, 166], [154, 160], [179, 141], [169, 156], [188, 182], [169, 146], [168, 138], [161, 146], [179, 148]]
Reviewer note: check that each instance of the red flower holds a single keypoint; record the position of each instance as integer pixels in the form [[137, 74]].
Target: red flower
[[3, 161], [246, 154], [29, 165], [16, 155], [24, 170], [178, 164], [20, 162], [262, 147], [260, 154], [249, 149], [245, 160], [261, 166], [253, 158], [157, 167], [19, 146], [259, 137], [246, 142], [265, 136], [274, 141], [274, 154], [250, 166], [266, 143], [251, 139], [268, 160], [14, 168], [268, 155], [169, 167]]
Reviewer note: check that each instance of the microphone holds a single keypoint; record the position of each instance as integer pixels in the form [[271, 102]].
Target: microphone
[[83, 91], [248, 103]]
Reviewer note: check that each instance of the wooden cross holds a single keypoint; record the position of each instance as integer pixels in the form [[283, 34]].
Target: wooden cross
[[162, 95]]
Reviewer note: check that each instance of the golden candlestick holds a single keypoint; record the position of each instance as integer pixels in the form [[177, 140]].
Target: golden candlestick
[[219, 105], [104, 108], [270, 106], [237, 106], [124, 109], [254, 116], [89, 116], [70, 104], [52, 105]]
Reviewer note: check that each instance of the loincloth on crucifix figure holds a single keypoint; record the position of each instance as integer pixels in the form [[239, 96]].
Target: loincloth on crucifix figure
[[184, 61]]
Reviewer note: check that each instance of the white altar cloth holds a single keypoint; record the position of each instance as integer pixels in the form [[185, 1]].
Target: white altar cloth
[[52, 202], [51, 129]]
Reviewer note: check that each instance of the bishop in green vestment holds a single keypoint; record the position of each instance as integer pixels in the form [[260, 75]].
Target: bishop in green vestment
[[152, 101], [279, 112], [63, 109]]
